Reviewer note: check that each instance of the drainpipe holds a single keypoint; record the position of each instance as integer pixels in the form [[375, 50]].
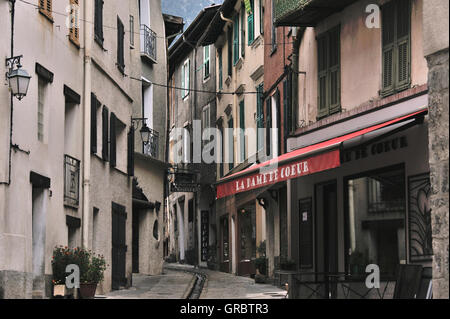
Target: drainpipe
[[295, 70], [87, 64]]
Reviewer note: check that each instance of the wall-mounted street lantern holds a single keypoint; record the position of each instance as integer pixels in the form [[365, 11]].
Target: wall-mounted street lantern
[[144, 131], [18, 78]]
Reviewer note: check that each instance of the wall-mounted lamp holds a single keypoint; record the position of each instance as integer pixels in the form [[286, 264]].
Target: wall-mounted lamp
[[145, 131], [18, 78]]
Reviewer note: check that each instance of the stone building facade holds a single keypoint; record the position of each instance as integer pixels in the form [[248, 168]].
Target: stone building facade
[[436, 46]]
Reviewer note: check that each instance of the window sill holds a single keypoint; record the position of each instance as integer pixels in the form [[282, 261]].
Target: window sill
[[274, 50], [48, 16], [228, 81], [100, 43], [239, 63], [386, 93], [75, 43], [256, 42]]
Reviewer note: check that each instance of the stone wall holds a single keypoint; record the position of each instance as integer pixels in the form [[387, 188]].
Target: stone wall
[[438, 146]]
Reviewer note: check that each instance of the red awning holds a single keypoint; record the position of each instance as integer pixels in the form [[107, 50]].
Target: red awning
[[305, 161]]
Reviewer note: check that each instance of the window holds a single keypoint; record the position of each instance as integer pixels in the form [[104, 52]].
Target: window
[[221, 157], [42, 86], [329, 73], [230, 144], [45, 8], [268, 126], [375, 220], [251, 23], [287, 111], [396, 26], [242, 131], [118, 141], [260, 116], [74, 30], [220, 70], [98, 22], [185, 78], [206, 62], [71, 181], [274, 29], [120, 45], [206, 117], [236, 39]]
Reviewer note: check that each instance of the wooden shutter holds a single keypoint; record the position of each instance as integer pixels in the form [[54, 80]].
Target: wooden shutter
[[93, 123], [113, 141], [230, 51], [334, 71], [120, 45], [388, 38], [236, 39], [403, 15], [242, 30], [242, 126], [268, 125], [105, 134], [98, 21], [130, 159], [220, 70], [322, 47], [251, 23], [46, 7], [74, 30]]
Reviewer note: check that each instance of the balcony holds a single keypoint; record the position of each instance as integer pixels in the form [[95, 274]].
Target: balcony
[[148, 43], [152, 148], [306, 13]]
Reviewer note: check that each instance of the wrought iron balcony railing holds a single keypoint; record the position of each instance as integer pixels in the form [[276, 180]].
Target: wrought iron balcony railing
[[148, 42], [152, 148]]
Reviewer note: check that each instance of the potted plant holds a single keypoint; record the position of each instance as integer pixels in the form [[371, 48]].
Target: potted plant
[[261, 263], [92, 275]]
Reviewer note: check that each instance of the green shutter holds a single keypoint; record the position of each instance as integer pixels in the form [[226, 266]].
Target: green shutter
[[251, 24], [230, 51], [388, 38], [93, 123], [334, 73], [113, 141], [242, 127], [403, 44], [268, 125], [236, 39], [105, 135], [231, 144], [243, 31], [322, 83], [259, 116]]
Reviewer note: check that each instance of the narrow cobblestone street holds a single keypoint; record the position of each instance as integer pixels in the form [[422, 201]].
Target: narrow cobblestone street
[[178, 280]]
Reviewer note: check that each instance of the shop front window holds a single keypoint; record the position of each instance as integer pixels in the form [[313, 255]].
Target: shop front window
[[225, 239], [376, 221]]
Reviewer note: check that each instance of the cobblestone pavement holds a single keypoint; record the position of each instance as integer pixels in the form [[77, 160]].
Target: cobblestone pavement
[[170, 285], [177, 281], [221, 285]]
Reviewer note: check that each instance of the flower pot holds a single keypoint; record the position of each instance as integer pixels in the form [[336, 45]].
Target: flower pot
[[87, 291], [61, 291]]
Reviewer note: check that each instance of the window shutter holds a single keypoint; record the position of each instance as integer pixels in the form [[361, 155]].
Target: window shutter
[[403, 43], [334, 71], [388, 38], [130, 160], [93, 123], [278, 113], [236, 39], [98, 23], [105, 131], [231, 144], [285, 112], [260, 116], [74, 30], [242, 126], [183, 77], [120, 45], [230, 51], [45, 7], [188, 76], [112, 137], [268, 125], [220, 70], [251, 23], [323, 66], [242, 30]]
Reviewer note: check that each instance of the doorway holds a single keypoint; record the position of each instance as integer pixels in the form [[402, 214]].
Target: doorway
[[327, 237], [119, 247]]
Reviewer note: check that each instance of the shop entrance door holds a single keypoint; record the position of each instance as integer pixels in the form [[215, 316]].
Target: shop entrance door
[[327, 263]]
